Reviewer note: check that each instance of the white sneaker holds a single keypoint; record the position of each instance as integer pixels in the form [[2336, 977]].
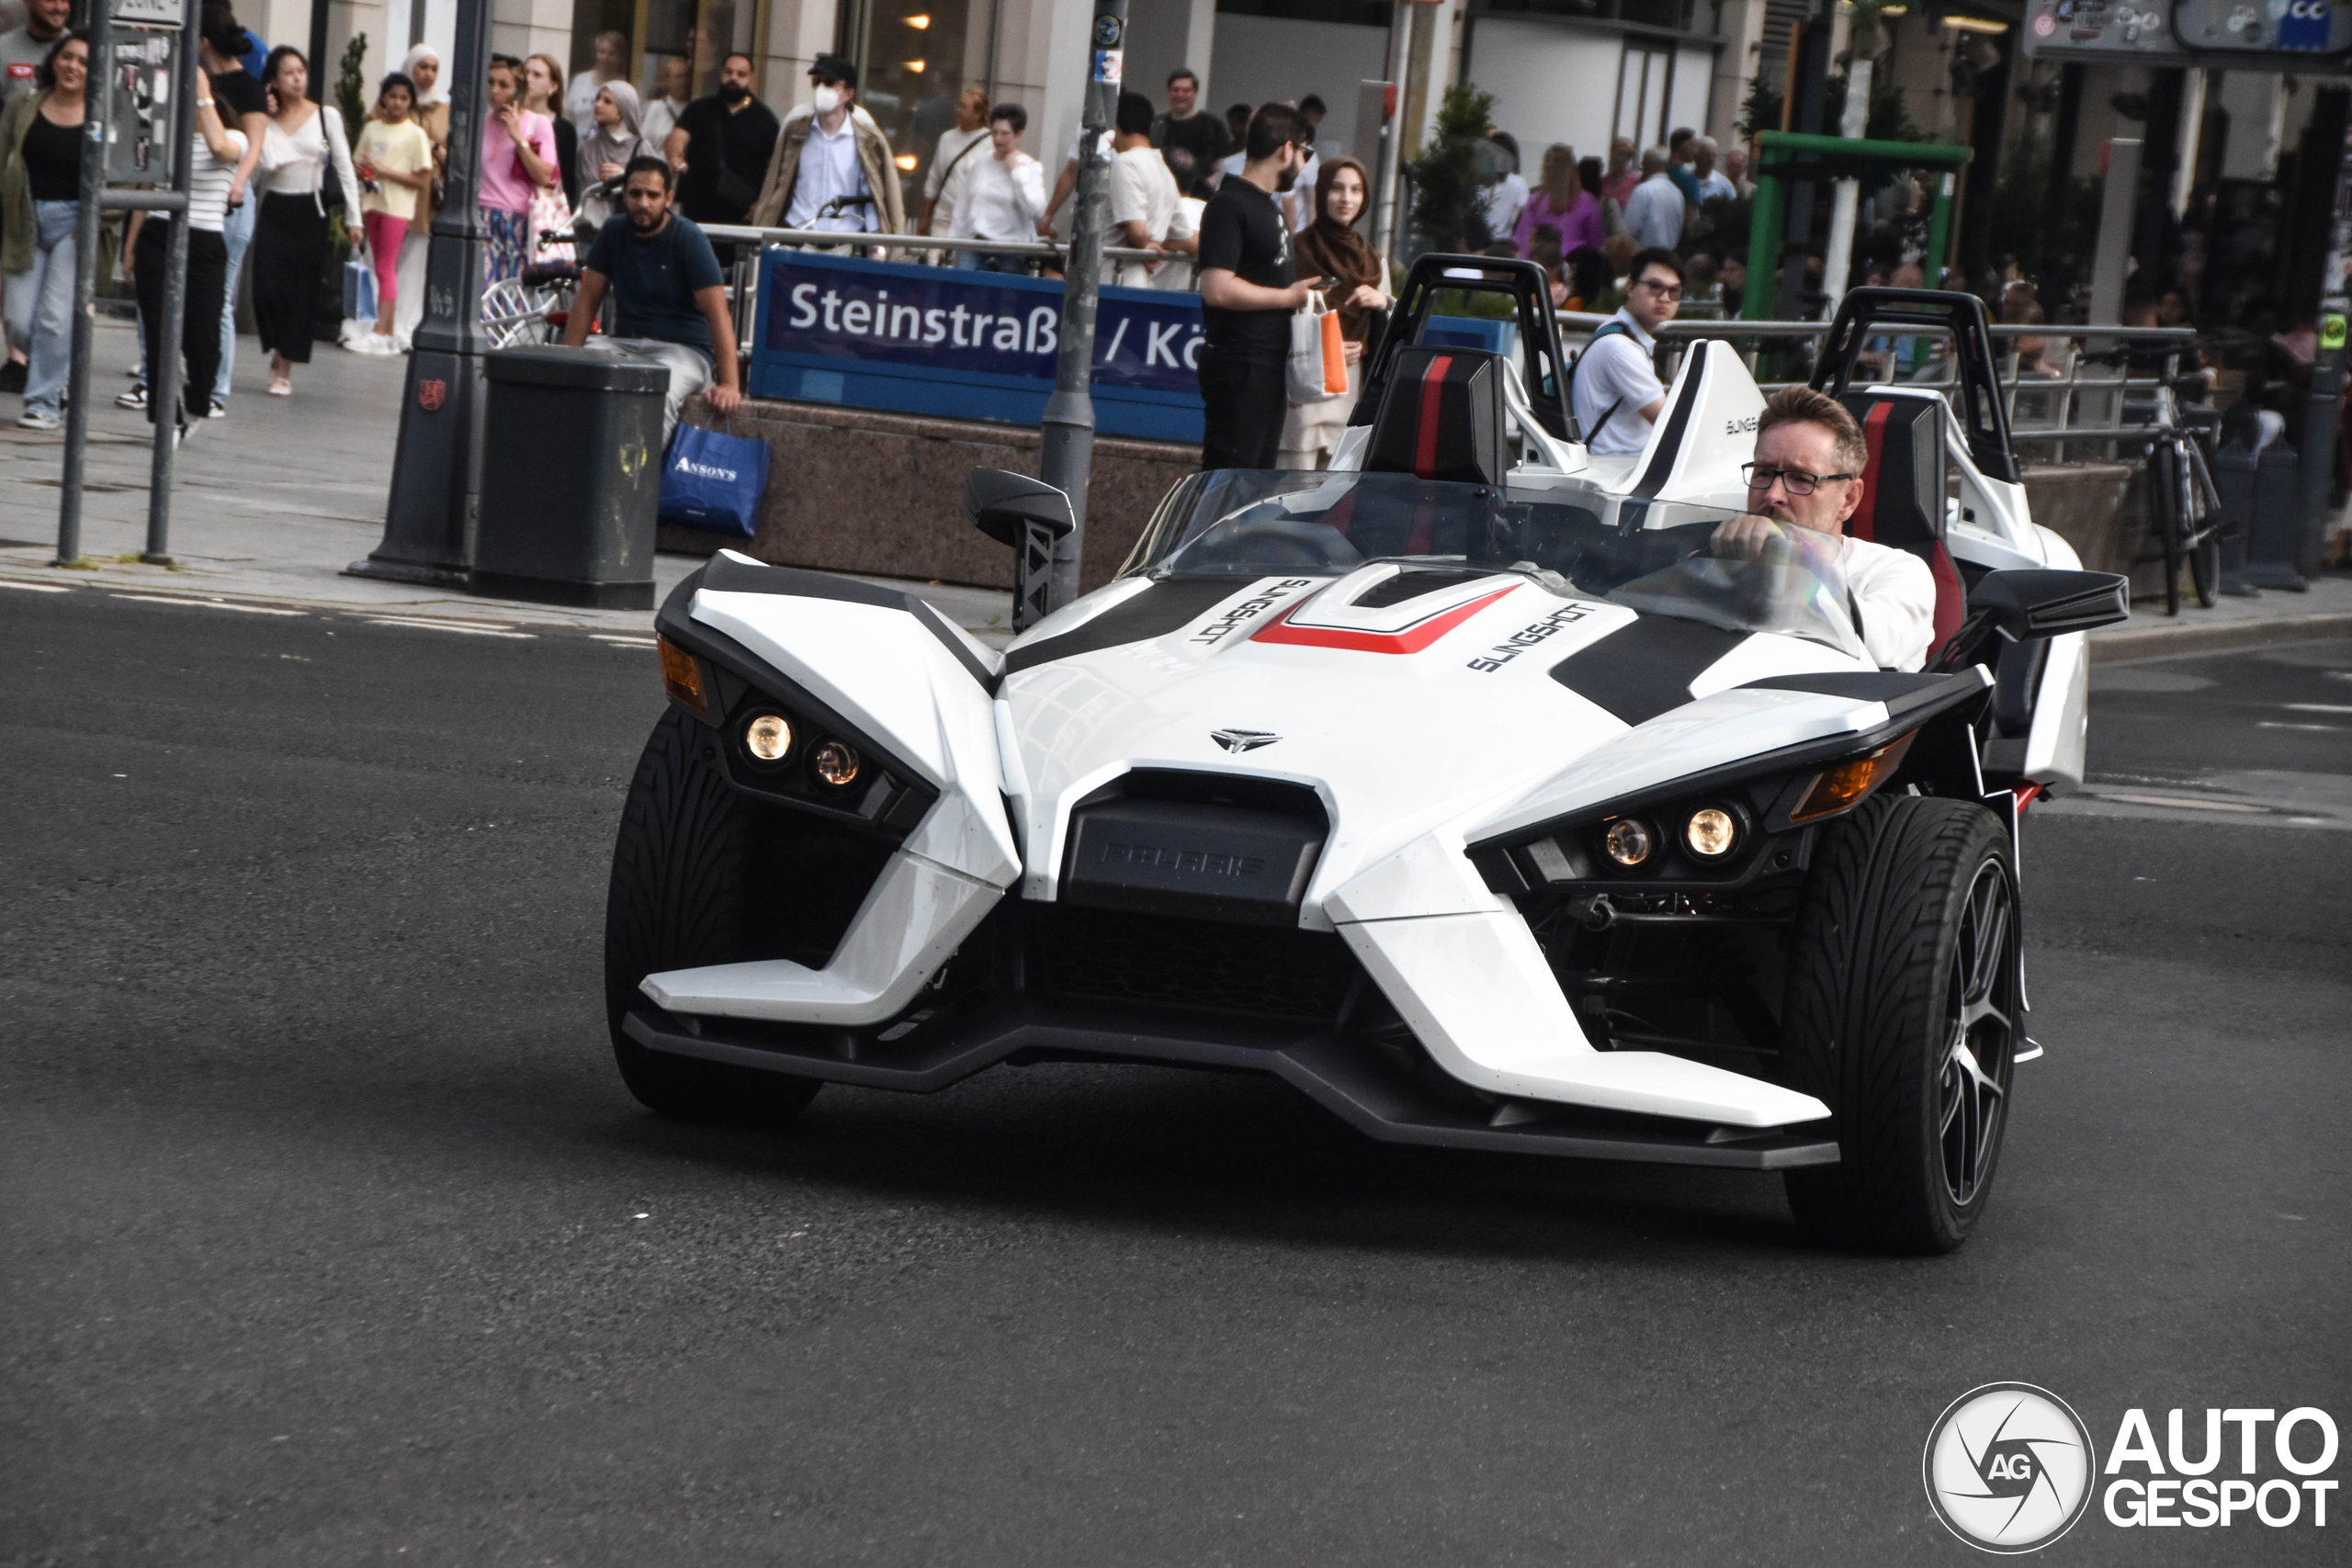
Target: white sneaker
[[33, 418]]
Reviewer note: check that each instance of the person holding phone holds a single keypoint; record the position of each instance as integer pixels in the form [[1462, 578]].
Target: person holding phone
[[1250, 289]]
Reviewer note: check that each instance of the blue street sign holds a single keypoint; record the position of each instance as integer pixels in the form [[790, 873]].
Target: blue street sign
[[932, 340]]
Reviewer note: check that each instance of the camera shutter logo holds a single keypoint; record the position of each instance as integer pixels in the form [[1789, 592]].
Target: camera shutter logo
[[2008, 1467]]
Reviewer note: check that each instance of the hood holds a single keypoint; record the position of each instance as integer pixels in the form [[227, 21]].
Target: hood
[[1411, 697]]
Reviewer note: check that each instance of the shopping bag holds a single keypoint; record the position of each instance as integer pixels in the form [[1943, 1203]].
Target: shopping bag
[[714, 482], [1318, 356], [358, 292]]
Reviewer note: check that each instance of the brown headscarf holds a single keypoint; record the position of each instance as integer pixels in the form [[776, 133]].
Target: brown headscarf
[[1328, 248]]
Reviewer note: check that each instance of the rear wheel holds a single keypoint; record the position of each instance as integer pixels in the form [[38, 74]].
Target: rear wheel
[[2167, 499], [2200, 531], [1903, 1016], [678, 899]]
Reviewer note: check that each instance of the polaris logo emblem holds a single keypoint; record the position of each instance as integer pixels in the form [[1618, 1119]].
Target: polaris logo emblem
[[1242, 739]]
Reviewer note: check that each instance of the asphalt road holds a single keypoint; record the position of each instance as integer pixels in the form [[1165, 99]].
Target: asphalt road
[[327, 1233]]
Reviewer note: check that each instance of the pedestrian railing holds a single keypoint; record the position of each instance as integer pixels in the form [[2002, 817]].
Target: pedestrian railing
[[2091, 386]]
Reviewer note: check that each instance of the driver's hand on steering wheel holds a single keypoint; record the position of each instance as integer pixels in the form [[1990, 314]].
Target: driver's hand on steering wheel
[[1743, 538]]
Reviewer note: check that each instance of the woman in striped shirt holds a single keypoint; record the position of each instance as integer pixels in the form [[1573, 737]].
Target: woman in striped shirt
[[212, 164]]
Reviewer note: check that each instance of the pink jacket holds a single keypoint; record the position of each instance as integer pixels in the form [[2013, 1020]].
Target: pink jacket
[[1580, 225]]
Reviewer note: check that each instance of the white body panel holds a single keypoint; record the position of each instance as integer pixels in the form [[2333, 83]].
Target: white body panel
[[1417, 726]]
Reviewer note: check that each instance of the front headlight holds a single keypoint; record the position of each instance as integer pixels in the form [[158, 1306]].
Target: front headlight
[[1628, 842], [1712, 832], [767, 737]]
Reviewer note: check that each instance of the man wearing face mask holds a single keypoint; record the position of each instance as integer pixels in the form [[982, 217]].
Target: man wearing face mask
[[832, 168], [721, 145], [1249, 287]]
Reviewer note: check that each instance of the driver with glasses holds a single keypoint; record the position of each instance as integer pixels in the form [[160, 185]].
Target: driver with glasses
[[1810, 455]]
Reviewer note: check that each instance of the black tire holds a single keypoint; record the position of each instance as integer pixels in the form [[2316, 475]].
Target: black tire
[[677, 900], [2200, 532], [2165, 497], [1903, 1015]]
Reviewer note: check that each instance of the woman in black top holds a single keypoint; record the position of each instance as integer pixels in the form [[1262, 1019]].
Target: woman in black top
[[41, 186]]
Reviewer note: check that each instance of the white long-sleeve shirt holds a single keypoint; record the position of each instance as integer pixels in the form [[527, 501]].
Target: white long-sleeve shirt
[[296, 163], [1895, 593], [1001, 200]]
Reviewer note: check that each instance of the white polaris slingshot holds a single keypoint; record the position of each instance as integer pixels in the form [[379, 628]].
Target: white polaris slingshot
[[1460, 788]]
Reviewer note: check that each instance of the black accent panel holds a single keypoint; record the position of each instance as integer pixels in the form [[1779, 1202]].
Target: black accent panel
[[1901, 692], [1363, 1083], [1204, 965], [1678, 425], [1413, 583], [721, 575], [1459, 390], [1178, 857], [2016, 683], [1646, 668], [1165, 606]]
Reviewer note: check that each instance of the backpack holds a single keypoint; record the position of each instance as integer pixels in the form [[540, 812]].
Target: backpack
[[1606, 329]]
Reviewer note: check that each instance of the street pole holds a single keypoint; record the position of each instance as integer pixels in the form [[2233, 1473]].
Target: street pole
[[1861, 37], [432, 514], [88, 225], [163, 372], [2316, 442], [97, 120], [1066, 458]]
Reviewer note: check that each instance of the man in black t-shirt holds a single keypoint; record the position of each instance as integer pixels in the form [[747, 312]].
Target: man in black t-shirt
[[1184, 128], [668, 296], [721, 147], [1249, 287]]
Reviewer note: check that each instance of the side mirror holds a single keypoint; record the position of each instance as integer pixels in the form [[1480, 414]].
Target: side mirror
[[2045, 601], [1033, 517], [1003, 504]]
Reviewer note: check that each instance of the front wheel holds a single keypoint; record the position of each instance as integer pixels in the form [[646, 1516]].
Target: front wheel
[[680, 898], [1903, 1016]]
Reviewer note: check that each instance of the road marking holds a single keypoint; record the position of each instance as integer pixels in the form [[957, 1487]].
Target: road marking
[[34, 587], [2317, 708], [2193, 802], [201, 603], [649, 642], [2322, 728], [446, 627]]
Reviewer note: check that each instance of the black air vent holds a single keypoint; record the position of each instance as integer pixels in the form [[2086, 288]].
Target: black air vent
[[1155, 960]]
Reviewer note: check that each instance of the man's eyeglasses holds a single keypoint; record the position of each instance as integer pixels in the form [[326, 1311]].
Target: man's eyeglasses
[[1796, 481], [1668, 291]]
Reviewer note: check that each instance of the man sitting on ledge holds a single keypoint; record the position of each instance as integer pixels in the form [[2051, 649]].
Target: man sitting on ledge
[[669, 298]]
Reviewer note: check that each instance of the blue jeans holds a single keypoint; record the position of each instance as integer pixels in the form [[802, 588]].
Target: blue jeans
[[41, 304], [236, 234]]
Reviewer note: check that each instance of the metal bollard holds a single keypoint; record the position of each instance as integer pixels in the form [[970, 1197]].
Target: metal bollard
[[2276, 536], [2233, 475]]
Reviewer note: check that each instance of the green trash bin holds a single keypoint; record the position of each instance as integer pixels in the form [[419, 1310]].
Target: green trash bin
[[571, 477]]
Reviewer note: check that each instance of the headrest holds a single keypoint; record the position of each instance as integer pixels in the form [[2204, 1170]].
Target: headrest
[[1443, 417], [1902, 487]]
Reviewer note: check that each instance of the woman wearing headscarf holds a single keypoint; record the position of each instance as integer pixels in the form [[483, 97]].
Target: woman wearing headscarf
[[423, 67], [1329, 247], [615, 136]]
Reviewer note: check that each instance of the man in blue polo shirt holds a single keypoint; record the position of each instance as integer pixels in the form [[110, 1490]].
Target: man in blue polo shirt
[[668, 296]]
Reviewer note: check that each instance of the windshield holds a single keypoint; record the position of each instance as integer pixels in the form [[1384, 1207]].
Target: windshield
[[1659, 557]]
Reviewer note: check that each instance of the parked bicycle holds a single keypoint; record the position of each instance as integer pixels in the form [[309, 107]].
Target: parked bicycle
[[2184, 505]]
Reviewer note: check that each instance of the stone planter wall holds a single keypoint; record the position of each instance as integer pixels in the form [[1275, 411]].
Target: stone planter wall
[[860, 491]]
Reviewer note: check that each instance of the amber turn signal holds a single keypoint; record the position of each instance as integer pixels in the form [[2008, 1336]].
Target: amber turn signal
[[682, 675], [1845, 783]]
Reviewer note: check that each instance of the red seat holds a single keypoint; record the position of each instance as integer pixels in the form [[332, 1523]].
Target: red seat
[[1903, 492]]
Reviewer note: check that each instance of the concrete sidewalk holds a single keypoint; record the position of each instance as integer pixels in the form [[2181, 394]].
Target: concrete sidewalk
[[275, 500], [271, 503]]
